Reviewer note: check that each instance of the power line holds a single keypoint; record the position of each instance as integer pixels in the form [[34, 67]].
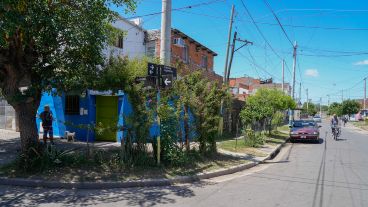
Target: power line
[[278, 21], [259, 30], [284, 25], [178, 9], [262, 35]]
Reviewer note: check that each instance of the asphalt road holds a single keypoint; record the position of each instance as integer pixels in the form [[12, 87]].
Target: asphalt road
[[331, 173]]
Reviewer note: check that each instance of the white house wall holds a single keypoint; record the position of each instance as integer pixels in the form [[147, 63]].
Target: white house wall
[[133, 43]]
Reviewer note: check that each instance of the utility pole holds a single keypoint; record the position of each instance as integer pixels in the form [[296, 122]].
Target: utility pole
[[300, 92], [227, 75], [307, 100], [365, 92], [291, 116], [283, 75], [320, 106], [165, 57], [233, 50], [228, 44], [165, 47], [328, 103]]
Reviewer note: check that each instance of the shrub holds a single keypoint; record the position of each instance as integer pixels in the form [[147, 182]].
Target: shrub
[[252, 139]]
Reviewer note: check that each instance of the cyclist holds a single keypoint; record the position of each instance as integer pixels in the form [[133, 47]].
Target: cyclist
[[334, 123]]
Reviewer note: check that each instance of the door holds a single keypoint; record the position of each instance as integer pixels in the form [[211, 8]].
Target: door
[[107, 115]]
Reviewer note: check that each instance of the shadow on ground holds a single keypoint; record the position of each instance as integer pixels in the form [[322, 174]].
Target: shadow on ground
[[9, 149], [150, 196]]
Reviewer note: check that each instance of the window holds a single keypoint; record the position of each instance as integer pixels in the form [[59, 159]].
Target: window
[[204, 61], [185, 54], [151, 51], [72, 104], [120, 42]]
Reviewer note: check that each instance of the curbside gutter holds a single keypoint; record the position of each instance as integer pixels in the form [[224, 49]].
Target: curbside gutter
[[24, 182]]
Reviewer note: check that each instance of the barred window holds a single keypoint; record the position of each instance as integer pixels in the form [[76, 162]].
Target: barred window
[[72, 104]]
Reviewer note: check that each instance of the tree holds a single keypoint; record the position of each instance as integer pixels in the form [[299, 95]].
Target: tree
[[203, 99], [350, 107], [335, 108], [309, 109], [264, 105], [50, 44]]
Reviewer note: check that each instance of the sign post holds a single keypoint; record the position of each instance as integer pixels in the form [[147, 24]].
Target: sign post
[[159, 76]]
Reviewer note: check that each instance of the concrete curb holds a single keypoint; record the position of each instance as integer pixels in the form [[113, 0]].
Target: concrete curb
[[139, 183]]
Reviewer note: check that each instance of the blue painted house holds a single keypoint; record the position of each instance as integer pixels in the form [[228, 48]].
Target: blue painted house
[[73, 112]]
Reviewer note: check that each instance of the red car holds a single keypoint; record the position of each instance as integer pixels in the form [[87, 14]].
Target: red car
[[304, 130]]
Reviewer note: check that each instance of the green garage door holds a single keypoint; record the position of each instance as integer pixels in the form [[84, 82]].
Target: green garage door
[[107, 114]]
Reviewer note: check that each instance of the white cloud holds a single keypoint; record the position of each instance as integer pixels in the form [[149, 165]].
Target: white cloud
[[312, 72], [363, 62]]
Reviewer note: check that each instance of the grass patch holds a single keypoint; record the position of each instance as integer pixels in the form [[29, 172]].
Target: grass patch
[[361, 124], [105, 166], [284, 128], [240, 146], [276, 138]]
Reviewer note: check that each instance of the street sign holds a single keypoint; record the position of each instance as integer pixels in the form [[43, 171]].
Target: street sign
[[167, 70], [147, 81], [166, 81], [153, 69]]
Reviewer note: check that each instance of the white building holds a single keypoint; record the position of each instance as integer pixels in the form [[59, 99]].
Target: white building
[[132, 44]]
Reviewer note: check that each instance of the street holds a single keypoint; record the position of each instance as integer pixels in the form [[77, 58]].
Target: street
[[331, 173]]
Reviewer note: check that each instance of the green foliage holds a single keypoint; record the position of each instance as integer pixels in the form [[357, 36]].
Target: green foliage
[[62, 40], [309, 109], [252, 139], [46, 158], [350, 107], [335, 108], [263, 106], [278, 119], [51, 44], [203, 98]]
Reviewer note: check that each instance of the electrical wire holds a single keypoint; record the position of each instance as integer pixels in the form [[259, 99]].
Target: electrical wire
[[278, 21], [178, 9]]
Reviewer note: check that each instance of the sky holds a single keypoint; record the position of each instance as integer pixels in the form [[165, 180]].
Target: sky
[[332, 52]]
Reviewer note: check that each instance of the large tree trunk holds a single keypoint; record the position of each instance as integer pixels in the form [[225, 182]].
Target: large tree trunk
[[26, 113]]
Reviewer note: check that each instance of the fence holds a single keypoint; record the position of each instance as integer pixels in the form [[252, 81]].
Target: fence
[[7, 116]]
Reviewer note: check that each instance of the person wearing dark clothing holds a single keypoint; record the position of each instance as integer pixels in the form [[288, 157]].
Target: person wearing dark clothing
[[46, 117]]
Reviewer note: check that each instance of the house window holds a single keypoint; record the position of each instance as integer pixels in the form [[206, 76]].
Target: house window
[[151, 51], [72, 104], [120, 42], [204, 61], [185, 54]]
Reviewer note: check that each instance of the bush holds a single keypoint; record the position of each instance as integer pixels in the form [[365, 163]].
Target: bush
[[252, 139]]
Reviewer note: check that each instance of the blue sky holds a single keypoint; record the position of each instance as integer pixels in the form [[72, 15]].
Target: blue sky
[[326, 64]]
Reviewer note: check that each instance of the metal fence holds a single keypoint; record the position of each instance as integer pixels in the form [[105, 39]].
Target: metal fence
[[7, 116]]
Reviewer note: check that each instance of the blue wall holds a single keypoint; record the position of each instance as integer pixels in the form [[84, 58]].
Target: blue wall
[[70, 123]]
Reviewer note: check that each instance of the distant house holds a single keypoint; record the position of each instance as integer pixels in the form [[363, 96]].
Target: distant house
[[185, 51], [132, 44], [242, 87]]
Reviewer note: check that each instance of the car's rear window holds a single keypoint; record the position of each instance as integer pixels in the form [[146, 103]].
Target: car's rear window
[[303, 124]]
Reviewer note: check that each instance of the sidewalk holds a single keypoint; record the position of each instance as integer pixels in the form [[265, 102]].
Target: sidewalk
[[10, 145], [13, 139]]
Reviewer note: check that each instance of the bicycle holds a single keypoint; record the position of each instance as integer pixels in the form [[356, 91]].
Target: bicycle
[[335, 132]]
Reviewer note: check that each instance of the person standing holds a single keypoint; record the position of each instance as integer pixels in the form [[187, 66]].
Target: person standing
[[46, 117]]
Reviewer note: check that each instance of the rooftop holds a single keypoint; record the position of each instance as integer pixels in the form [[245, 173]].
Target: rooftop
[[156, 34]]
